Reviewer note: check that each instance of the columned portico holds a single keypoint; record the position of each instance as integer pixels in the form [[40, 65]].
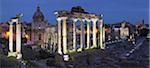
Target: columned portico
[[82, 38], [11, 36], [18, 38], [88, 34], [64, 34], [11, 53], [59, 35], [55, 42], [74, 33], [103, 45], [79, 32], [62, 45], [102, 34], [94, 20]]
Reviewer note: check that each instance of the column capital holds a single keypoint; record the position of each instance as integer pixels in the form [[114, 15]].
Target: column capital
[[18, 23], [14, 20], [100, 20], [64, 18], [75, 19], [61, 18], [10, 22], [83, 20], [94, 19], [87, 19]]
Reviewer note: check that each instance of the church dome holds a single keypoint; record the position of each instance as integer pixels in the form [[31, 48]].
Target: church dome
[[38, 15]]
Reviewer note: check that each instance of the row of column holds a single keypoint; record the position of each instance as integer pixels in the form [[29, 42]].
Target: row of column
[[50, 38], [18, 39], [64, 34]]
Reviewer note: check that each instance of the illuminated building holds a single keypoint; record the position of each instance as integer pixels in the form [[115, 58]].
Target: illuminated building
[[38, 27]]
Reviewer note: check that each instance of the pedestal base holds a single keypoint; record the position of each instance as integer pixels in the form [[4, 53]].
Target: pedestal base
[[73, 50], [19, 56], [87, 48], [94, 46], [14, 54], [59, 52], [103, 47], [79, 50], [66, 57]]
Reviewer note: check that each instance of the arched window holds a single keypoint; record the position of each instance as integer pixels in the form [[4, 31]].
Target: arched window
[[40, 36]]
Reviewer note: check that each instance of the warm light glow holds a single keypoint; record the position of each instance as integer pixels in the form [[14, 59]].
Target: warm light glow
[[91, 32], [106, 29], [27, 36], [85, 31], [96, 30], [6, 35]]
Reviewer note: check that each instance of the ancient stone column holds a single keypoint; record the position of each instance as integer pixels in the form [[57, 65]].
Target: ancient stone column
[[81, 35], [59, 35], [74, 33], [55, 41], [101, 33], [88, 33], [52, 37], [18, 39], [11, 36], [64, 34], [11, 53], [103, 46], [94, 20]]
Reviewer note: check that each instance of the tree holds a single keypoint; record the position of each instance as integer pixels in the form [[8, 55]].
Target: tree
[[144, 32]]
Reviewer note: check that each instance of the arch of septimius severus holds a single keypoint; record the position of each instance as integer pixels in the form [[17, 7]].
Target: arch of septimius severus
[[83, 18]]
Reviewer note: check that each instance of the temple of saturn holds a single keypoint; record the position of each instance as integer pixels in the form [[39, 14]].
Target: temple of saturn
[[83, 18]]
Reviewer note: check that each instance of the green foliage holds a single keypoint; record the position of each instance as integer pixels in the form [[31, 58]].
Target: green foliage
[[7, 62], [144, 32], [28, 53], [42, 54]]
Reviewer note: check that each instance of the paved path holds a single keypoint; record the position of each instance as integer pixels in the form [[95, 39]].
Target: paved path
[[136, 46]]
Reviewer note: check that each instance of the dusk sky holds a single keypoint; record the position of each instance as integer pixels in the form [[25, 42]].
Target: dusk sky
[[113, 10]]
